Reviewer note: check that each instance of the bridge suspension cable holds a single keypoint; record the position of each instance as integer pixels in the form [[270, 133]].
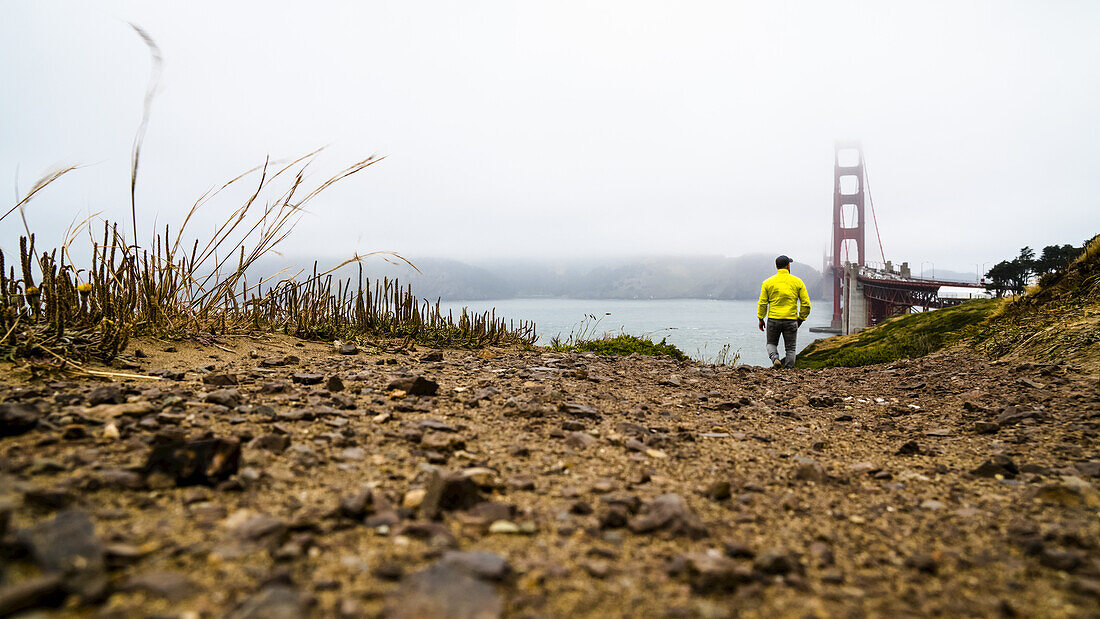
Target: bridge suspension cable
[[874, 217]]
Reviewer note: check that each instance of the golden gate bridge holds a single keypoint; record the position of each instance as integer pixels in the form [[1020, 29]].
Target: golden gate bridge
[[864, 295]]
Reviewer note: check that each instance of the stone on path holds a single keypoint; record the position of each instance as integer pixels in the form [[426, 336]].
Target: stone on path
[[68, 545], [445, 592], [273, 602], [413, 385], [479, 563], [190, 462], [448, 491], [669, 515]]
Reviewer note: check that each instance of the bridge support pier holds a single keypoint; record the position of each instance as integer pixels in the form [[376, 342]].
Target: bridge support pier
[[855, 302]]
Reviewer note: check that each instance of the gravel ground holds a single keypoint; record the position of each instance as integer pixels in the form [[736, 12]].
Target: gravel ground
[[274, 478]]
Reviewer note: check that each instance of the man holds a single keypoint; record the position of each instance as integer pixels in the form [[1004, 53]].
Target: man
[[780, 298]]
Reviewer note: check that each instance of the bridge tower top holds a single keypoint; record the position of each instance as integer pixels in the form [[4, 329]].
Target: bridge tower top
[[848, 214]]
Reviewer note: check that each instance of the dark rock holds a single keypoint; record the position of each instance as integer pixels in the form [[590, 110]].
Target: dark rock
[[448, 492], [580, 508], [205, 461], [388, 570], [413, 385], [435, 533], [442, 441], [36, 592], [261, 528], [17, 418], [438, 426], [776, 561], [274, 387], [808, 469], [1088, 469], [973, 406], [334, 384], [306, 378], [55, 497], [120, 478], [1062, 560], [614, 517], [484, 565], [443, 591], [521, 482], [491, 511], [168, 585], [670, 515], [277, 601], [220, 380], [580, 440], [168, 374], [986, 427], [229, 398], [997, 465], [74, 433], [922, 563], [358, 505], [348, 348], [910, 448], [629, 502], [718, 490], [271, 442], [435, 355], [1011, 416], [107, 394], [68, 545], [576, 409], [710, 574], [484, 394]]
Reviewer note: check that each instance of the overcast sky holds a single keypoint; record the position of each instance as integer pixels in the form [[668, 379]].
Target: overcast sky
[[572, 128]]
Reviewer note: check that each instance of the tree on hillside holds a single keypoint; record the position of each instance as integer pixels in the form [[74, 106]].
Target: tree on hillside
[[1000, 278], [1055, 258], [1012, 276]]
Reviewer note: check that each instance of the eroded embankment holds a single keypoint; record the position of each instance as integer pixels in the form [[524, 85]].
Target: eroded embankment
[[298, 480]]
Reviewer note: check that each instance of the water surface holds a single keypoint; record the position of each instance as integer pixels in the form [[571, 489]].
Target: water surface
[[699, 327]]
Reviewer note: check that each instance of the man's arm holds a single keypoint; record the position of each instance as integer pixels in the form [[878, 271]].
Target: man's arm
[[804, 304], [762, 306]]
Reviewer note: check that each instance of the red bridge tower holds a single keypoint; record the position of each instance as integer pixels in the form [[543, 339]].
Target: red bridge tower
[[848, 218]]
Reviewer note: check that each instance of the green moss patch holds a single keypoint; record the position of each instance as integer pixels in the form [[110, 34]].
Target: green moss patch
[[902, 337]]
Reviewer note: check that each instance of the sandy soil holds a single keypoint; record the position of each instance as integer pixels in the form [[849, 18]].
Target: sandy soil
[[545, 484]]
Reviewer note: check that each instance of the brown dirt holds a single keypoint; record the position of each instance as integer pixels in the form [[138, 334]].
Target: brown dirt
[[824, 516]]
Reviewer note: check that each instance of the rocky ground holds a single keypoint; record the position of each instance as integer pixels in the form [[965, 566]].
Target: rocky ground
[[273, 478]]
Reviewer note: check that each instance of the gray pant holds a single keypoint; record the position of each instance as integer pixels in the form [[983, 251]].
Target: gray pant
[[789, 329]]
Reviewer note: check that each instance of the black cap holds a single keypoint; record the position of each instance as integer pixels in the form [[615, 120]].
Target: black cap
[[782, 262]]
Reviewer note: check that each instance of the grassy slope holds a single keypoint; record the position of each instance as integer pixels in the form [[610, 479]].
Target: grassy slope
[[1057, 321], [911, 335]]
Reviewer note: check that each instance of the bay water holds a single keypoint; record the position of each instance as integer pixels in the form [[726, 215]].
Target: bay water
[[699, 327]]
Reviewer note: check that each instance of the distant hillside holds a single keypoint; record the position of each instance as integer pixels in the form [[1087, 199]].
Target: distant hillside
[[692, 277]]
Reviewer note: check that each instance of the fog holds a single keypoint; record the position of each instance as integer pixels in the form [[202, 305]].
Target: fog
[[570, 129]]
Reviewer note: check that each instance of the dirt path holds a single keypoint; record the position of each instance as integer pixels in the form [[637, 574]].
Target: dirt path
[[540, 484]]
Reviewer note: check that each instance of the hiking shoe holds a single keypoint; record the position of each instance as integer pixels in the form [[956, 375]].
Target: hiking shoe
[[777, 364]]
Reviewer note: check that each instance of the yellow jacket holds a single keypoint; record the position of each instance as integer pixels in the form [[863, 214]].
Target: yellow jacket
[[779, 297]]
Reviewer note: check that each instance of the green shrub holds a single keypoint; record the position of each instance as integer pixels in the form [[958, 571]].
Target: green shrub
[[624, 344]]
